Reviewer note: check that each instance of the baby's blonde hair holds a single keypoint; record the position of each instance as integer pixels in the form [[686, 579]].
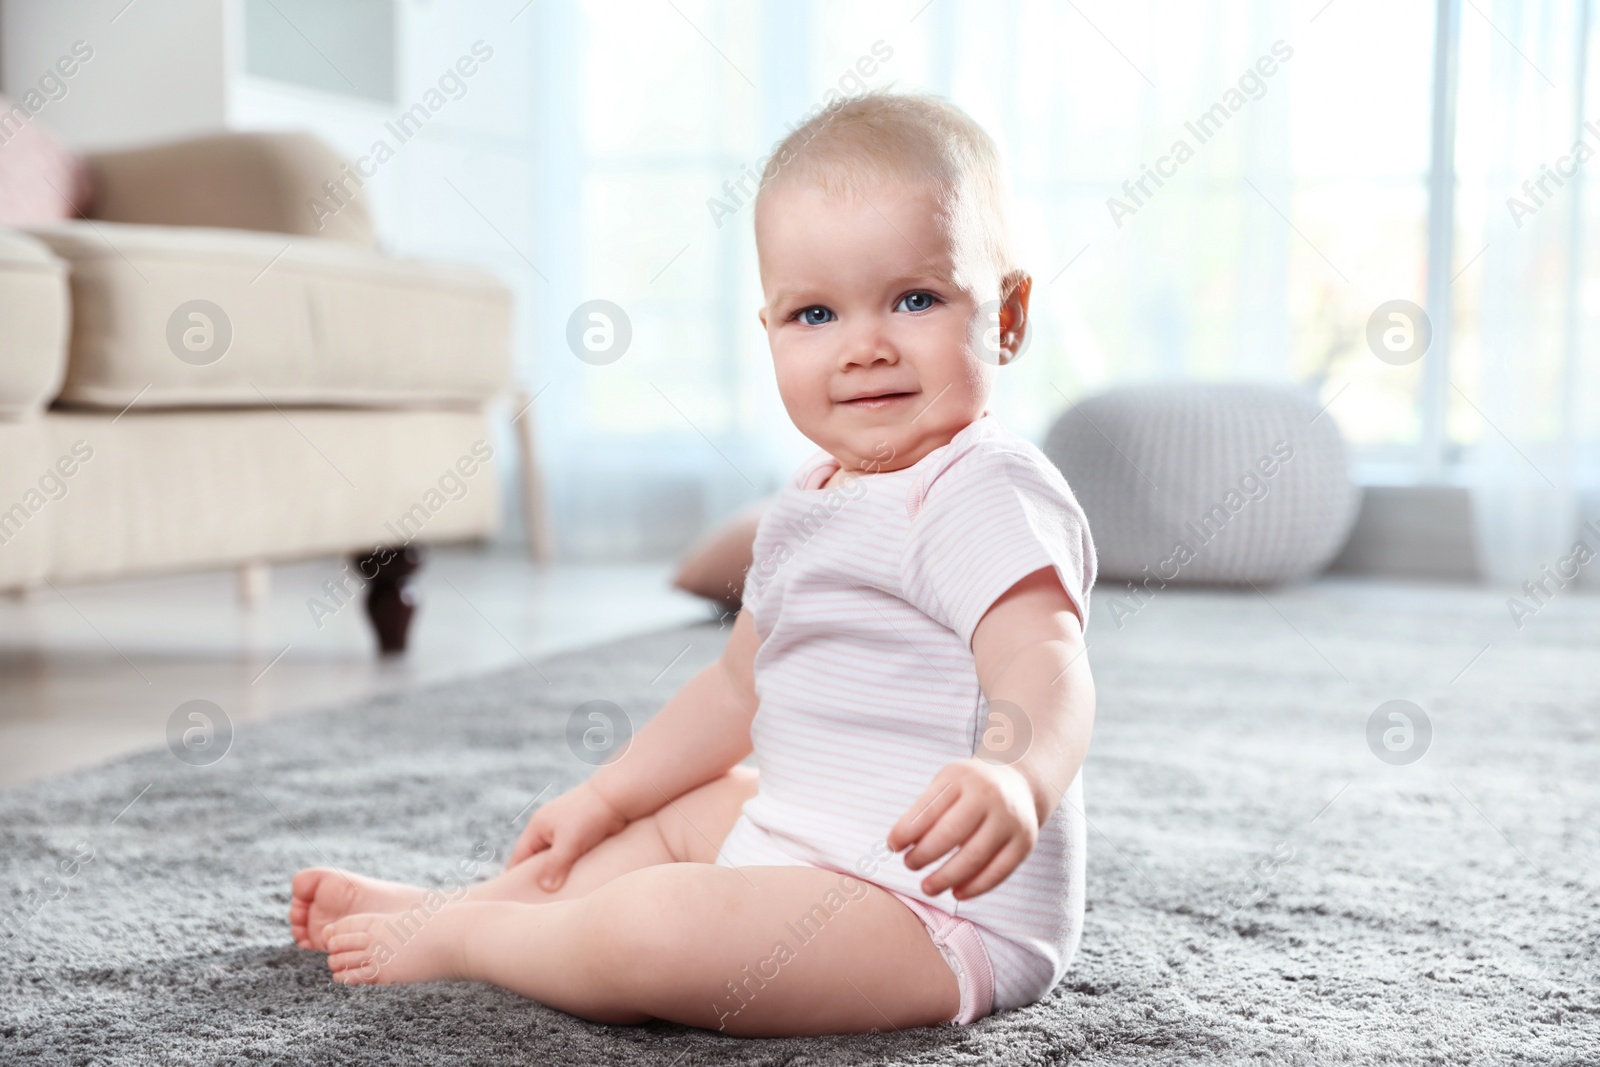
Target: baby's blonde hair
[[913, 137]]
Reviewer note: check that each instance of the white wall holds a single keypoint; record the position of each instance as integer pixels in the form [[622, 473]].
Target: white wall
[[155, 72]]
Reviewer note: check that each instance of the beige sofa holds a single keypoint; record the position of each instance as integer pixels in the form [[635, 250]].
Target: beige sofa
[[199, 376]]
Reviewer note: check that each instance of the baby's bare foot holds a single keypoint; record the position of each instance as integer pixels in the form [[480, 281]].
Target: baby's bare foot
[[323, 894], [388, 950]]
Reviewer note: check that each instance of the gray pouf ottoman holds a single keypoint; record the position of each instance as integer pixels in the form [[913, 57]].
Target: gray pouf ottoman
[[1207, 483]]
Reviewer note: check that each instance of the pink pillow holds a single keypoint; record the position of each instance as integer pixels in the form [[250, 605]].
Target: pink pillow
[[40, 181]]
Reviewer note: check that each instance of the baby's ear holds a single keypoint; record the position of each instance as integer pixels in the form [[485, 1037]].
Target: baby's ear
[[1019, 283], [1017, 287]]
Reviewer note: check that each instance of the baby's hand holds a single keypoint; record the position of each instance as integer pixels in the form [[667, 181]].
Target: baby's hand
[[563, 830], [984, 809]]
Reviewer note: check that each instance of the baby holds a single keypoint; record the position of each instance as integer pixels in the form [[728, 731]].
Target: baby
[[908, 669]]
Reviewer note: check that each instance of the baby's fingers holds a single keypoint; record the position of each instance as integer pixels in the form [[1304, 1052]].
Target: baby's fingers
[[999, 869], [559, 860], [921, 816], [530, 842], [952, 830], [973, 856]]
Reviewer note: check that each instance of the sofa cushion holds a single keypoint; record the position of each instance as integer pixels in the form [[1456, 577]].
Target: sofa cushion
[[277, 181], [190, 316], [33, 324]]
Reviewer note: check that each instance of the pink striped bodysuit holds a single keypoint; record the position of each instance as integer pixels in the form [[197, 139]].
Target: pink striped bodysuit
[[865, 597]]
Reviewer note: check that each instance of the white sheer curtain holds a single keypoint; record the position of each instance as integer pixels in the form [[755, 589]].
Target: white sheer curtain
[[1525, 396], [1302, 205]]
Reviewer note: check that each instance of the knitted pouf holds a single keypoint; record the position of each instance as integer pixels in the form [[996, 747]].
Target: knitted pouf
[[1207, 483]]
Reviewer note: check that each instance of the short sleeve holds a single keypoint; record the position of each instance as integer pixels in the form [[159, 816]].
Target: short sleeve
[[984, 523]]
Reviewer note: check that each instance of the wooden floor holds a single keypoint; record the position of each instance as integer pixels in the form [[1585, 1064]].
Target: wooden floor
[[91, 672]]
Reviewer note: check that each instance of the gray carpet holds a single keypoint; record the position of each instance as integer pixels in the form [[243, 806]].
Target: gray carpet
[[1442, 911]]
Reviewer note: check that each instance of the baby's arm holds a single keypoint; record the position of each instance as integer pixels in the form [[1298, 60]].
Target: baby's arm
[[1029, 652], [702, 732]]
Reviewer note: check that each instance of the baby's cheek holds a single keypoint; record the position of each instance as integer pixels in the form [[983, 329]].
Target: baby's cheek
[[798, 389], [805, 400]]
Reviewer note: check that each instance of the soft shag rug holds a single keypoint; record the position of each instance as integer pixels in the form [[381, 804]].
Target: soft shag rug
[[1263, 887]]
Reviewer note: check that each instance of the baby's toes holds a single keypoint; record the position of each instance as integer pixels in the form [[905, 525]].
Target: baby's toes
[[353, 968], [354, 941], [350, 950], [304, 883], [351, 931]]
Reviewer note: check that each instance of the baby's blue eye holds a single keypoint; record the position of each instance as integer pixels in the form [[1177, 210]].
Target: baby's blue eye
[[806, 316], [922, 300]]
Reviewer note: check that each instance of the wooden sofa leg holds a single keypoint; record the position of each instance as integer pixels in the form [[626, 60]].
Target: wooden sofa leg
[[390, 604]]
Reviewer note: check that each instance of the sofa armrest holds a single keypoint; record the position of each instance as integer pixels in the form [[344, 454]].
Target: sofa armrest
[[34, 311], [278, 182]]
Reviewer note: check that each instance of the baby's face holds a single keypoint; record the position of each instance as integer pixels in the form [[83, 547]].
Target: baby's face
[[868, 295]]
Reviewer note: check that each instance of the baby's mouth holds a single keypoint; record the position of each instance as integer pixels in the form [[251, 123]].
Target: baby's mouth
[[883, 400]]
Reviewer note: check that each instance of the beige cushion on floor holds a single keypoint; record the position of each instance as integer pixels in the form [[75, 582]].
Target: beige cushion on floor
[[186, 490], [714, 567], [312, 321], [33, 324]]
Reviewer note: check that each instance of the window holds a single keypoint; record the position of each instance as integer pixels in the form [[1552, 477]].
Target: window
[[1305, 198]]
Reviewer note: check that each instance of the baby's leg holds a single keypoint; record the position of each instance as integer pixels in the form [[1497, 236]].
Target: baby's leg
[[690, 828], [751, 950]]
